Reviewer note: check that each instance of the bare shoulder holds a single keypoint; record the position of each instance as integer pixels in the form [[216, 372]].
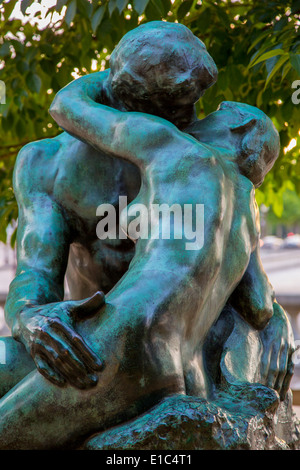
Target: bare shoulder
[[201, 162], [184, 154], [35, 168]]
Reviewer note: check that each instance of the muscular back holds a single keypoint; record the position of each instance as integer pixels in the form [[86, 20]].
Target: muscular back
[[59, 183]]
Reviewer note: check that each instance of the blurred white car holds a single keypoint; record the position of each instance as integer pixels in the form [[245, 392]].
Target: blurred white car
[[271, 242], [292, 241]]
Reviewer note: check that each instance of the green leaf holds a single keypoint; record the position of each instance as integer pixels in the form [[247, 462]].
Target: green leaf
[[258, 39], [4, 110], [295, 6], [9, 6], [279, 25], [295, 61], [259, 98], [64, 75], [277, 206], [283, 59], [31, 52], [60, 4], [8, 121], [33, 82], [5, 50], [121, 4], [140, 6], [18, 46], [97, 18], [270, 63], [254, 33], [155, 10], [22, 66], [13, 238], [46, 49], [287, 110], [24, 5], [184, 8], [20, 128], [204, 19], [222, 15], [267, 56], [71, 11], [167, 6], [223, 80], [85, 8], [3, 234], [47, 66], [111, 6], [286, 70]]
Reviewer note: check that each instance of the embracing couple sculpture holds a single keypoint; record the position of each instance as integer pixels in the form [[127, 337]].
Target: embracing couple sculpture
[[82, 366]]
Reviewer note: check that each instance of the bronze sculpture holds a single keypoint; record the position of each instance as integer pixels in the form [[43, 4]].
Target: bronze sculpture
[[151, 331]]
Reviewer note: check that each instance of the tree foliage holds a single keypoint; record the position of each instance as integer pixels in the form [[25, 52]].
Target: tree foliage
[[255, 44], [291, 212]]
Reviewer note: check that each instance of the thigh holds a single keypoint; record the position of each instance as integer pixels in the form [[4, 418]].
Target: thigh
[[15, 363], [133, 380]]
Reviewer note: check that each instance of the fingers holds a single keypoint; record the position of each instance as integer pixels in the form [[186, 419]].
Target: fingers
[[287, 380], [48, 373], [285, 371], [278, 369], [264, 366], [282, 368], [61, 355], [273, 368], [65, 353], [90, 359], [59, 365]]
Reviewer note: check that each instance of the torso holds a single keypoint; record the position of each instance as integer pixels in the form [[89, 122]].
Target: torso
[[80, 179], [230, 222], [83, 179]]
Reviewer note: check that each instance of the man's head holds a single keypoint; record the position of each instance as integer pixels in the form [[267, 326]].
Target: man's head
[[247, 132], [161, 68]]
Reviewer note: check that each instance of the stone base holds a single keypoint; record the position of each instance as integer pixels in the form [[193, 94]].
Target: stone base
[[242, 418]]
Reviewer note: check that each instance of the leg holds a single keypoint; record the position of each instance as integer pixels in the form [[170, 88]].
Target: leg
[[39, 415], [241, 354], [15, 363], [233, 350]]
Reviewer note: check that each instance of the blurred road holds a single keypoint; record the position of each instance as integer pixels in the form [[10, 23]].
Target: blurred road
[[283, 270]]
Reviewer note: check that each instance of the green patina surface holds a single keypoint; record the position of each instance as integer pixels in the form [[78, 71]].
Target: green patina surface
[[196, 323]]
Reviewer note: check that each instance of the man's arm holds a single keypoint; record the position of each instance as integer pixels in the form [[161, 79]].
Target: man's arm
[[35, 310], [127, 135], [254, 296], [254, 300]]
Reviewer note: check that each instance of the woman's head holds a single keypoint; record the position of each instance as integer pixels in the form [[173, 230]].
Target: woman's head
[[256, 136], [161, 68]]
